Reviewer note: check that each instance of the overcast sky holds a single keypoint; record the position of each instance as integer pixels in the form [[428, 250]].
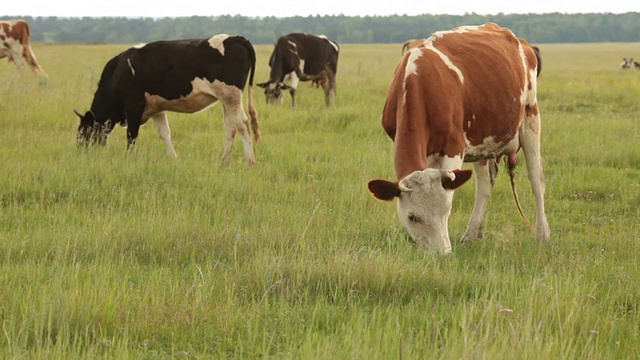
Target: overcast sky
[[262, 8]]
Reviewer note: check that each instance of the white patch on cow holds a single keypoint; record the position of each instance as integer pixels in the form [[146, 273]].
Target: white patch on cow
[[294, 48], [133, 72], [488, 149], [458, 30], [335, 45], [444, 162], [292, 78], [216, 42], [429, 45], [412, 67], [203, 95], [139, 46]]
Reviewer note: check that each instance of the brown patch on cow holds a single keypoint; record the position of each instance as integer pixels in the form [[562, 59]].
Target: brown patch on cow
[[531, 110]]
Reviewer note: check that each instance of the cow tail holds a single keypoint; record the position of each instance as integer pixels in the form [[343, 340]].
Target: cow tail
[[536, 51], [511, 168], [253, 113]]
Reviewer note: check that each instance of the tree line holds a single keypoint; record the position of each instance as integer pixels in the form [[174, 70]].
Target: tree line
[[536, 28]]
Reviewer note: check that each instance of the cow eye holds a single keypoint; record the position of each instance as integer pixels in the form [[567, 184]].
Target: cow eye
[[413, 218]]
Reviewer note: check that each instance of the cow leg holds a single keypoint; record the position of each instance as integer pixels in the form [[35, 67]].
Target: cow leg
[[530, 143], [235, 120], [484, 187], [17, 59], [329, 86], [295, 80], [32, 61], [162, 124], [134, 116]]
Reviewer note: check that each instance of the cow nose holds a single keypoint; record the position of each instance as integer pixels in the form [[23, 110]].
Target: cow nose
[[446, 251]]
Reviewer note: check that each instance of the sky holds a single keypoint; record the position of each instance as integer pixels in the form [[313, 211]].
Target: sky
[[263, 8]]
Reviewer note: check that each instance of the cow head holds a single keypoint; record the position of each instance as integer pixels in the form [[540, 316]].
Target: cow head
[[274, 91], [91, 131], [424, 203]]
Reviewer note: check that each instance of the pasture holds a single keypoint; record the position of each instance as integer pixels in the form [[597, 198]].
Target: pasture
[[105, 254]]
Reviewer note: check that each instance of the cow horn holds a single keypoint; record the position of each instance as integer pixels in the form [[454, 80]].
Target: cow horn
[[448, 174], [77, 113], [403, 187]]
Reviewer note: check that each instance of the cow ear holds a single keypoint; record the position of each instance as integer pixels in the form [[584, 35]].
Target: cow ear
[[458, 179], [383, 189]]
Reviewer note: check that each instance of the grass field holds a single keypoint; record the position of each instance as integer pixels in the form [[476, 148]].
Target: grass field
[[105, 254]]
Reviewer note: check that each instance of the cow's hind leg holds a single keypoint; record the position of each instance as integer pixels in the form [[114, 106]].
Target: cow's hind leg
[[162, 124], [32, 61], [329, 87], [235, 120], [485, 177], [530, 142]]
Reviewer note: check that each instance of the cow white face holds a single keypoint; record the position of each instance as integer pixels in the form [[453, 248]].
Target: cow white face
[[274, 91], [424, 204]]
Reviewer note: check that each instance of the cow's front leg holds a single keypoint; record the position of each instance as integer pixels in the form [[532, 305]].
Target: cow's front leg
[[162, 125], [133, 126], [484, 187], [295, 80], [292, 92]]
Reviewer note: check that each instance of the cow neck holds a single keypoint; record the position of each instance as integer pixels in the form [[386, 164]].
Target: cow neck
[[410, 151]]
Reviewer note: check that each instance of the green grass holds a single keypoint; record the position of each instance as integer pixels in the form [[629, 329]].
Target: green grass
[[105, 254]]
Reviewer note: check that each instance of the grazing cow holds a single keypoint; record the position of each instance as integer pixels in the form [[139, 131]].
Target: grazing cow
[[15, 44], [465, 95], [628, 63], [181, 76], [411, 43], [302, 57]]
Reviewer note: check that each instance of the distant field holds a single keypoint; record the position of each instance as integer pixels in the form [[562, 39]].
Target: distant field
[[105, 254]]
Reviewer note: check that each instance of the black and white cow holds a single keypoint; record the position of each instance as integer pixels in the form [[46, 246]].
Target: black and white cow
[[628, 63], [182, 76], [302, 57]]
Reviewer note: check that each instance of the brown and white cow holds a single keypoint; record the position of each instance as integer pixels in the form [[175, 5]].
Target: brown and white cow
[[465, 95], [15, 44], [628, 63], [302, 57]]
